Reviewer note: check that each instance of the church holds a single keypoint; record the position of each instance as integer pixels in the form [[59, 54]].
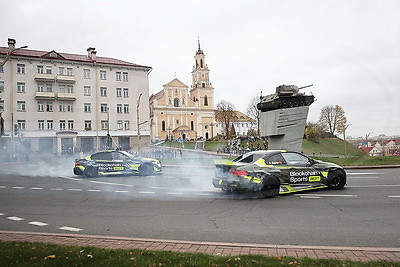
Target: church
[[179, 112]]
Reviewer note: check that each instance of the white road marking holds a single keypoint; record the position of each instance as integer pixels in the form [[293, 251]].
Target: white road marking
[[38, 223], [94, 190], [369, 177], [203, 194], [70, 178], [174, 193], [121, 191], [2, 186], [56, 189], [36, 188], [311, 197], [74, 189], [13, 218], [146, 192], [1, 214], [363, 173], [393, 196], [323, 195], [18, 187], [72, 229], [376, 185], [97, 182], [157, 187]]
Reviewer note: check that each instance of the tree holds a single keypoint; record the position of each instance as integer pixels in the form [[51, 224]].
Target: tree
[[313, 132], [331, 117], [225, 113], [253, 112]]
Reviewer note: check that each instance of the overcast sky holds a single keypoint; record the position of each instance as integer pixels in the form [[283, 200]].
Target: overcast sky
[[349, 50]]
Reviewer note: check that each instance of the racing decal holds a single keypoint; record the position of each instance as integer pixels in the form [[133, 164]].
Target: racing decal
[[114, 166], [314, 178], [304, 176], [118, 168], [135, 167]]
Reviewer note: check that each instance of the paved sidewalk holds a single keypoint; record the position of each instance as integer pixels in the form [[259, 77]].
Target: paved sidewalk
[[214, 248]]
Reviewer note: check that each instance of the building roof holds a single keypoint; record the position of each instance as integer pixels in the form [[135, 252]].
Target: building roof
[[176, 83], [240, 117], [156, 96], [68, 57]]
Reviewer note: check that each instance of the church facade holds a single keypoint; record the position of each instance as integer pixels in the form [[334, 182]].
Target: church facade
[[179, 112]]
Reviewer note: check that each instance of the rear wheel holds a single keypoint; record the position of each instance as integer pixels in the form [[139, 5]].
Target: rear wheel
[[270, 187], [145, 169], [90, 172], [336, 179]]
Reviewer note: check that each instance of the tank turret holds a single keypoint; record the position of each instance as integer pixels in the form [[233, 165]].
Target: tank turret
[[286, 96]]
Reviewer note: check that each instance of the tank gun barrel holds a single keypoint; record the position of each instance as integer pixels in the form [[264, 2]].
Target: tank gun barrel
[[305, 86]]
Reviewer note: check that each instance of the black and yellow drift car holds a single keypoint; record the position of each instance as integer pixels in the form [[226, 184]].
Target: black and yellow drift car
[[278, 172], [115, 162]]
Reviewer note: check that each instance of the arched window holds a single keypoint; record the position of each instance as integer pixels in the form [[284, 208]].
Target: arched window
[[192, 125], [163, 126], [201, 63], [176, 102], [205, 101]]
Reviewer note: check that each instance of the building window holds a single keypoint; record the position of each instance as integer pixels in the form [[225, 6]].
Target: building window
[[119, 92], [1, 86], [125, 76], [61, 70], [62, 125], [192, 125], [103, 108], [88, 125], [126, 92], [69, 71], [126, 108], [87, 107], [70, 107], [176, 102], [70, 125], [62, 88], [50, 125], [49, 106], [177, 122], [49, 87], [126, 125], [48, 70], [40, 87], [21, 68], [1, 105], [119, 108], [41, 124], [86, 90], [103, 75], [1, 69], [104, 125], [103, 91], [183, 101], [21, 124], [70, 89], [20, 87], [205, 101], [118, 76], [62, 107], [86, 74], [40, 106], [203, 85], [20, 105], [120, 125], [163, 126], [40, 69]]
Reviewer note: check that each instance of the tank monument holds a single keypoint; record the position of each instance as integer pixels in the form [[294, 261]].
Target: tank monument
[[284, 117]]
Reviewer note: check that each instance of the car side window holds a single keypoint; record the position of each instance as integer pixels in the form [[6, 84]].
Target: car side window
[[295, 159], [276, 159], [117, 156], [248, 159], [102, 156]]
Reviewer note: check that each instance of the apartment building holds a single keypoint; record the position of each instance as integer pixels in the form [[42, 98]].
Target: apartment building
[[62, 103]]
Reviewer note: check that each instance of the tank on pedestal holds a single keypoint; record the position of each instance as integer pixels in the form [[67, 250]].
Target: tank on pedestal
[[286, 96]]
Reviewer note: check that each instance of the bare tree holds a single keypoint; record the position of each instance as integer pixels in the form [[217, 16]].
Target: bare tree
[[253, 112], [225, 113], [332, 117]]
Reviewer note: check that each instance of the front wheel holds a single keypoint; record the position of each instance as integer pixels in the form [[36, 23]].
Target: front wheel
[[270, 187], [336, 180]]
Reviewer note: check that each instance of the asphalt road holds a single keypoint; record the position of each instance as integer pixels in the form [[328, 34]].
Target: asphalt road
[[181, 204]]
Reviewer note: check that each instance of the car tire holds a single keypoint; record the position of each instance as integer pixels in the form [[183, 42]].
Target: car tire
[[270, 187], [90, 172], [145, 169], [336, 179]]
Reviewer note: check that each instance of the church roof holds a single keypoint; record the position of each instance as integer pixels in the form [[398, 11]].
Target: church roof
[[156, 96], [176, 83]]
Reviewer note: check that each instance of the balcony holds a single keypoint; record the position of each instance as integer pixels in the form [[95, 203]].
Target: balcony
[[43, 77], [65, 78], [45, 95], [66, 96]]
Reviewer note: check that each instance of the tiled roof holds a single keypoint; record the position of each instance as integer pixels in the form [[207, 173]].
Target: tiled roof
[[156, 96], [69, 57]]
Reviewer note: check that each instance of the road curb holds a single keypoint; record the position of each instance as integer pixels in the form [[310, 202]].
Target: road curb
[[213, 248]]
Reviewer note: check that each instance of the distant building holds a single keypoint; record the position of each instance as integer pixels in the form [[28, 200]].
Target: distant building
[[241, 124], [177, 112], [64, 103]]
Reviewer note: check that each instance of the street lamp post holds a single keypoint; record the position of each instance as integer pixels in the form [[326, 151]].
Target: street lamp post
[[344, 139], [108, 129], [138, 121]]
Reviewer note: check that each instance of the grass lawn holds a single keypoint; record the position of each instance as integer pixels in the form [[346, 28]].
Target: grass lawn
[[40, 254]]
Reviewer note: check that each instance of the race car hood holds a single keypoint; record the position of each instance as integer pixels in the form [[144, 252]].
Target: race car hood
[[323, 164]]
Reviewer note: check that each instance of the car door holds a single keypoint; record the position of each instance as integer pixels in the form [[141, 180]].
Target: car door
[[299, 169], [104, 161]]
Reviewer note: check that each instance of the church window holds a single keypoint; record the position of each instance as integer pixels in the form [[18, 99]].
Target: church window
[[203, 85], [177, 122], [192, 125], [205, 101], [201, 63], [176, 102], [183, 101], [169, 101], [163, 126]]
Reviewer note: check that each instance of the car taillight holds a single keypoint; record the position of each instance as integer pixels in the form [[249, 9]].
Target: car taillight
[[238, 172], [76, 163]]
